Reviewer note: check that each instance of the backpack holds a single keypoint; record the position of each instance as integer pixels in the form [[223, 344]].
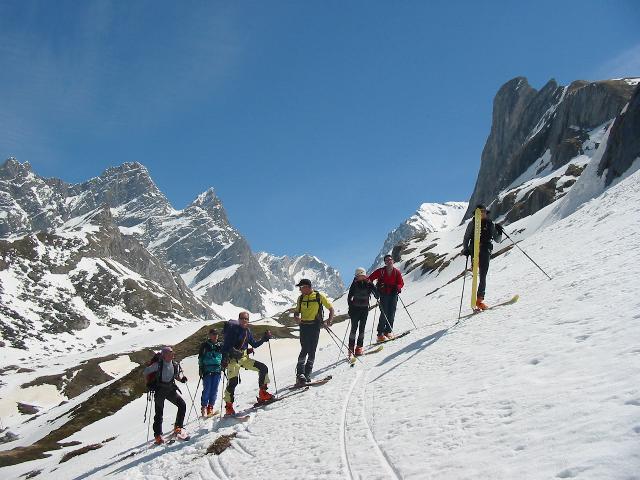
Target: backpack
[[360, 295], [151, 379], [320, 314]]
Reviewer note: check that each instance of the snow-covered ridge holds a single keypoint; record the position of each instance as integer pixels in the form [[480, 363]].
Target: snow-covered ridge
[[430, 217]]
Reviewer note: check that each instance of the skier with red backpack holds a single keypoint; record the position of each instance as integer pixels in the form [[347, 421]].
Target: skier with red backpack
[[161, 376], [235, 354], [358, 297], [389, 284]]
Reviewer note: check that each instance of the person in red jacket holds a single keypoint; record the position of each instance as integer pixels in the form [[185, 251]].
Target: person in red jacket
[[389, 285]]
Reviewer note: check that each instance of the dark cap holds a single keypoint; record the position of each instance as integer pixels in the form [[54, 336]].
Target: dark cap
[[387, 256], [304, 281], [213, 331], [481, 206]]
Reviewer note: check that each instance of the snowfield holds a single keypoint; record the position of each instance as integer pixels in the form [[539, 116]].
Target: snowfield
[[544, 388]]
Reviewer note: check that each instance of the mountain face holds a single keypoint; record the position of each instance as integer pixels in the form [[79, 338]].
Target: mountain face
[[284, 272], [430, 217], [87, 281], [198, 242], [540, 142]]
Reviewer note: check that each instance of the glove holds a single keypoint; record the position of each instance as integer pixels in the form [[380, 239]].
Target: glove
[[328, 322], [267, 336], [465, 252], [399, 290], [249, 351], [499, 228], [183, 379]]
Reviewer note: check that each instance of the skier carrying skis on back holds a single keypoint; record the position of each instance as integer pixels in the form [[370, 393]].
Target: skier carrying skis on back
[[309, 315], [235, 354], [209, 365], [390, 283], [489, 232], [167, 371], [360, 291]]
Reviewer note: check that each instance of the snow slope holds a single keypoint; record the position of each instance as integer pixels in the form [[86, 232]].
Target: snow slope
[[545, 388]]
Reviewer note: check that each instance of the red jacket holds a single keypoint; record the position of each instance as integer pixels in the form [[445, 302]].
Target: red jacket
[[388, 284]]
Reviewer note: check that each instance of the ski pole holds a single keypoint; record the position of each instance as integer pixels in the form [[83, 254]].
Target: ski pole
[[405, 309], [343, 339], [525, 253], [372, 327], [386, 319], [192, 402], [275, 382], [224, 377], [334, 337], [464, 279], [149, 400]]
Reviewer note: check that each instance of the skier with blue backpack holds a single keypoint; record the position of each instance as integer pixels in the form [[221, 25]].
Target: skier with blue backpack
[[209, 367]]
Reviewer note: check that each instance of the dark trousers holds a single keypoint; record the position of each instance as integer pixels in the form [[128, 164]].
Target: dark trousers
[[210, 382], [358, 321], [172, 396], [388, 304], [309, 335], [483, 268]]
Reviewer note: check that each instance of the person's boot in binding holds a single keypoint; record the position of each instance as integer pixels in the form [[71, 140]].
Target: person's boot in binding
[[263, 395], [480, 303], [228, 409]]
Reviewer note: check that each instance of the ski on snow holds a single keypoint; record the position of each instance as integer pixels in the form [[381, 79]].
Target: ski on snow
[[400, 335], [314, 383], [511, 301]]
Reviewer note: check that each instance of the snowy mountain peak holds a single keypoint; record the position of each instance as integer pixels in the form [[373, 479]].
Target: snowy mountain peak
[[284, 272], [207, 200], [430, 217], [12, 168]]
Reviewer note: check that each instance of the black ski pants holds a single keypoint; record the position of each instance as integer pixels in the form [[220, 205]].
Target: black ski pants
[[388, 304], [309, 335], [171, 394], [483, 268], [358, 321]]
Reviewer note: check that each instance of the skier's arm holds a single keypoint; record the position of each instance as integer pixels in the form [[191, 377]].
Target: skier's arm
[[468, 235], [349, 295], [400, 283], [497, 232], [375, 274], [151, 368], [252, 341]]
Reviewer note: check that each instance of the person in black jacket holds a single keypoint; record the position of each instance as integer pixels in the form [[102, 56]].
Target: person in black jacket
[[167, 371], [489, 232], [358, 301]]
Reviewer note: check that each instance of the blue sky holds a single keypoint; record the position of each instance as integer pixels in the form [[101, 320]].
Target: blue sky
[[321, 125]]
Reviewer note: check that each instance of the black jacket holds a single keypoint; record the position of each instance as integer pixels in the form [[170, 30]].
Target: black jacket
[[488, 234], [360, 292]]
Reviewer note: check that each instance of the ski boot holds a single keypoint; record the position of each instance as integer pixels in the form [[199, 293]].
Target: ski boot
[[228, 409], [264, 396], [359, 351], [390, 336], [382, 338], [301, 380], [210, 410], [158, 440], [480, 305], [203, 412]]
